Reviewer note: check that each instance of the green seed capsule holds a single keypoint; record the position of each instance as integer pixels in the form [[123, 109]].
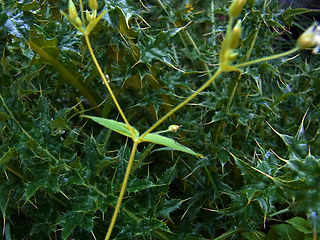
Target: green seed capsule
[[72, 10], [235, 36], [236, 8]]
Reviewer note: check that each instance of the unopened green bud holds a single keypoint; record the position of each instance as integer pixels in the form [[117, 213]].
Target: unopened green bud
[[78, 22], [173, 128], [235, 35], [232, 57], [93, 4], [236, 7], [72, 10], [88, 16]]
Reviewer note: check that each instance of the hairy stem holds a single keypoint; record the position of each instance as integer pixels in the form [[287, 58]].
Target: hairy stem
[[123, 189]]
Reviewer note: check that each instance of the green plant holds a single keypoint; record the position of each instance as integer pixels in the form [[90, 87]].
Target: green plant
[[227, 56], [93, 188]]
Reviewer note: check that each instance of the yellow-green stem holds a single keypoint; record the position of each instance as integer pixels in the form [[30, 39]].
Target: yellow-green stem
[[122, 191], [267, 58], [108, 86], [183, 103], [82, 13]]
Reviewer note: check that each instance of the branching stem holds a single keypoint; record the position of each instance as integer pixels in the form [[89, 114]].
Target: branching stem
[[192, 96]]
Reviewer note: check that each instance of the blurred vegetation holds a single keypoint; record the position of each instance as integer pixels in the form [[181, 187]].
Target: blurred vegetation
[[259, 129]]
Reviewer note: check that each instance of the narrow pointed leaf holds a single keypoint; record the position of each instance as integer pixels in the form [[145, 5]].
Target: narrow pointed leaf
[[158, 139], [118, 127], [72, 22], [94, 22]]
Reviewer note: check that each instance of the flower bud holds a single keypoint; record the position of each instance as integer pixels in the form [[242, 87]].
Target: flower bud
[[232, 56], [307, 39], [78, 22], [173, 128], [235, 35], [72, 10], [88, 16], [236, 7], [93, 4]]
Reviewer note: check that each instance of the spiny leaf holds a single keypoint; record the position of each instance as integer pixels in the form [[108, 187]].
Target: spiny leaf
[[49, 53], [169, 206], [76, 218], [8, 156], [296, 147], [136, 185]]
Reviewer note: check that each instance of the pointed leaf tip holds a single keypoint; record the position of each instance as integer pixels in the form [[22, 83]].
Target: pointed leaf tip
[[168, 142]]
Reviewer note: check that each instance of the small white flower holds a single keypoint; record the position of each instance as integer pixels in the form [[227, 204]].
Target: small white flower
[[310, 38], [317, 40]]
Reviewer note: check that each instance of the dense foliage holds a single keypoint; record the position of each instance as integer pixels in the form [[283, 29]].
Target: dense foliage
[[258, 130]]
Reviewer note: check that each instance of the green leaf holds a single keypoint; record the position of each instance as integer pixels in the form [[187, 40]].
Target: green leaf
[[257, 235], [136, 185], [148, 225], [158, 139], [283, 232], [12, 153], [296, 146], [300, 224], [4, 199], [118, 127], [290, 13], [94, 22], [169, 206], [72, 22], [76, 218], [48, 52]]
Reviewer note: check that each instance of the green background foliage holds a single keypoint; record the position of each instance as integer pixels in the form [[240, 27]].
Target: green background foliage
[[258, 130]]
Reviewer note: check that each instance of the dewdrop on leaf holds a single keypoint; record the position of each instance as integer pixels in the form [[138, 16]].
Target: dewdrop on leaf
[[72, 10], [236, 8]]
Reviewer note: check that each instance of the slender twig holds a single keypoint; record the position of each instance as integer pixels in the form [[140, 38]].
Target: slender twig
[[183, 103], [122, 191], [108, 86], [293, 50]]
